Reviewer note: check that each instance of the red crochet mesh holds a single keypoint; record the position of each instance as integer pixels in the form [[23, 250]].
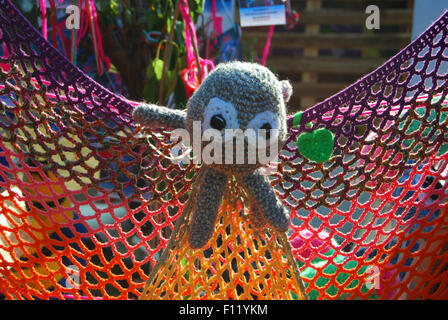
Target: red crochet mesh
[[81, 191]]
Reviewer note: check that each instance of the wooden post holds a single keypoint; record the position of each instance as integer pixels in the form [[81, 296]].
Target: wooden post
[[310, 77]]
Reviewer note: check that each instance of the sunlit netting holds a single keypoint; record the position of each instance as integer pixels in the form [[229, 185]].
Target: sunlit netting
[[86, 207], [241, 263]]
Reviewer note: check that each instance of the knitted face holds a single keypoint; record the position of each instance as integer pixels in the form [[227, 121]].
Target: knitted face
[[243, 96]]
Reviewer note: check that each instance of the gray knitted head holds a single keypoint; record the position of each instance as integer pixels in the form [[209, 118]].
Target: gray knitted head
[[250, 91]]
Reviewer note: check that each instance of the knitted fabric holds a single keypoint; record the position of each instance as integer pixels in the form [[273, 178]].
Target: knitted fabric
[[207, 203], [251, 89], [262, 194], [235, 96], [241, 263], [153, 116], [82, 194]]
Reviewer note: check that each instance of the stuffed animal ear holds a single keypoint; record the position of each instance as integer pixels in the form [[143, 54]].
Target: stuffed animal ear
[[286, 90]]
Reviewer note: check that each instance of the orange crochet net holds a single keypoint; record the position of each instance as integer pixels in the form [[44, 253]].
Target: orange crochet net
[[87, 207], [241, 263]]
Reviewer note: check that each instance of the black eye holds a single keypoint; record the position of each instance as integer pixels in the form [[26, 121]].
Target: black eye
[[268, 128], [218, 122]]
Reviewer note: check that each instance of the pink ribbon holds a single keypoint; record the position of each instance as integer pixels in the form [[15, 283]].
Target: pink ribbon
[[93, 29], [43, 9], [190, 38], [267, 45], [185, 11], [215, 23]]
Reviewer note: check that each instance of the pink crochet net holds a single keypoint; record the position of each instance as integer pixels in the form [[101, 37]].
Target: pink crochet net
[[83, 194]]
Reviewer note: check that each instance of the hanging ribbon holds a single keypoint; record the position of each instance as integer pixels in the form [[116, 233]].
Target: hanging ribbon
[[292, 16], [53, 22], [215, 23], [87, 10], [93, 31], [189, 28], [73, 50], [84, 23], [100, 39], [43, 10], [267, 46]]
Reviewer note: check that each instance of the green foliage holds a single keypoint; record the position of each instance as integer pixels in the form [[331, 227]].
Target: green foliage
[[154, 74], [196, 8], [132, 30], [249, 51], [139, 28], [160, 18], [109, 9]]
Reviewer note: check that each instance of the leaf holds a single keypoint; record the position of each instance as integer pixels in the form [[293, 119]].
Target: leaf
[[169, 24], [296, 119], [114, 7], [150, 71], [157, 65]]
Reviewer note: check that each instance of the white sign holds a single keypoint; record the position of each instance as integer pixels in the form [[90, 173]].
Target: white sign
[[262, 12]]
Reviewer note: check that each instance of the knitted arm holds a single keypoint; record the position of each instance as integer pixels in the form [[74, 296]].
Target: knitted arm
[[208, 201], [261, 193], [151, 115]]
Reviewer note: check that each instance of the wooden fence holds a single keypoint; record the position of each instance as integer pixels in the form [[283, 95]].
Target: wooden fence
[[331, 47]]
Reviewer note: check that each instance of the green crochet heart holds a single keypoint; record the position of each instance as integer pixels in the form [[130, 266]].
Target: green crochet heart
[[316, 146]]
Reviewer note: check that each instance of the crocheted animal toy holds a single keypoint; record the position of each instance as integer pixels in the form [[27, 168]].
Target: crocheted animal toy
[[234, 95]]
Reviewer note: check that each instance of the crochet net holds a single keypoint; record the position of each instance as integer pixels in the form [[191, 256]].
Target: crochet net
[[87, 208]]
